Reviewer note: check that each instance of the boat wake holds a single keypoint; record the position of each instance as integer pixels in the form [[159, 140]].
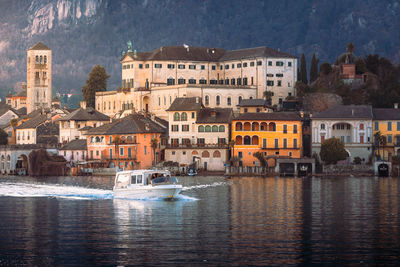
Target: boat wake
[[187, 188], [68, 192]]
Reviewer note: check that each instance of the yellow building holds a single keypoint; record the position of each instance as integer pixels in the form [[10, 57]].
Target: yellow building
[[387, 122], [276, 134]]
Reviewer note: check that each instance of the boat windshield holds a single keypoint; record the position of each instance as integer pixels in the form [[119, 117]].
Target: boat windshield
[[164, 180]]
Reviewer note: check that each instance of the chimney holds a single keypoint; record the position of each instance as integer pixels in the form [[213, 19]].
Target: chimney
[[82, 104], [396, 105]]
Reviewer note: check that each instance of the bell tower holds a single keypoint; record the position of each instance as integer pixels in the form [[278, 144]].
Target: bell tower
[[38, 75]]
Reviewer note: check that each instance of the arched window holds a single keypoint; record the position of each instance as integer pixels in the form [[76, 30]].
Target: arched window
[[238, 140], [205, 154], [272, 127], [45, 60], [229, 101], [215, 128], [208, 128], [201, 129], [194, 152], [41, 59], [37, 60], [247, 126], [254, 140], [216, 154], [239, 126], [322, 126], [184, 116], [177, 117], [255, 126], [97, 139], [247, 140], [207, 100], [221, 128], [263, 126], [218, 100], [240, 99], [129, 139], [92, 139]]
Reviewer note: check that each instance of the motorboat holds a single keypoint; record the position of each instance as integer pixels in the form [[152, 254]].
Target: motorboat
[[139, 184], [192, 172]]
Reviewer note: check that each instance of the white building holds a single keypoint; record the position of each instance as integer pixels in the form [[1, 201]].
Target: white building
[[74, 151]]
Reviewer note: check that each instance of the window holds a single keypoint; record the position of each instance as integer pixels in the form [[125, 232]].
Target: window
[[322, 126], [398, 126], [294, 143], [239, 81], [157, 66], [192, 67], [276, 143], [213, 67], [227, 67], [227, 81], [203, 67], [208, 128], [279, 83], [233, 65], [181, 66], [147, 66], [245, 81], [270, 83], [361, 126], [207, 100], [217, 100], [279, 75], [389, 126], [170, 81], [177, 117], [121, 151], [284, 143], [284, 128], [171, 66], [140, 66], [233, 81], [185, 128], [245, 110], [201, 129], [145, 150], [202, 81], [129, 152], [229, 101], [245, 65], [270, 75], [221, 81], [294, 128], [239, 99], [389, 138], [221, 128], [239, 65], [259, 63], [213, 81], [184, 116], [252, 64], [181, 81], [376, 126], [221, 67], [192, 81], [269, 63], [289, 64], [279, 63], [193, 115]]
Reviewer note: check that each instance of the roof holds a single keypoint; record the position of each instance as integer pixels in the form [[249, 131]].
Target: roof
[[4, 108], [386, 113], [132, 124], [39, 46], [262, 51], [77, 144], [21, 111], [85, 128], [214, 115], [88, 114], [35, 113], [193, 53], [253, 103], [186, 104], [33, 123], [272, 116], [346, 112]]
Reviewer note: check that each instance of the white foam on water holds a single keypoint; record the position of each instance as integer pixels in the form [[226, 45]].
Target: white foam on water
[[57, 191], [186, 188]]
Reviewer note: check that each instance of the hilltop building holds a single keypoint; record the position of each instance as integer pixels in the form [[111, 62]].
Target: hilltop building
[[39, 77], [152, 80]]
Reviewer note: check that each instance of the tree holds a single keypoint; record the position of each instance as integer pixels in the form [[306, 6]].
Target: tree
[[361, 67], [97, 82], [3, 137], [380, 141], [350, 48], [232, 146], [303, 69], [314, 68], [154, 144], [332, 150], [268, 96], [261, 159], [325, 68], [116, 142], [303, 89]]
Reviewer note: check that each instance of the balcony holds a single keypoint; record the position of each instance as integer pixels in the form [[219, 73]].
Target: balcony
[[181, 146], [118, 158], [277, 148], [123, 142]]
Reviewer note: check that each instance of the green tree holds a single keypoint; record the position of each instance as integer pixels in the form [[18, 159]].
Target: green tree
[[3, 137], [325, 68], [154, 144], [232, 146], [303, 69], [332, 150], [314, 68], [350, 48], [97, 82], [380, 142], [302, 89], [361, 67], [268, 96]]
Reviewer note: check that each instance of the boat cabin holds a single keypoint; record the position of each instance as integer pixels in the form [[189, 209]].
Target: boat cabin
[[128, 179]]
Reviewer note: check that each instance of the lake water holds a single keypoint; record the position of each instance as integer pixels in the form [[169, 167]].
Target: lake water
[[217, 221]]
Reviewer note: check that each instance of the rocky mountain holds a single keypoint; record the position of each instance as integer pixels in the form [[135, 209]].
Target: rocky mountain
[[83, 33]]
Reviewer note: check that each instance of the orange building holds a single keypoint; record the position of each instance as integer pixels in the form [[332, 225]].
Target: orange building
[[277, 134], [127, 142]]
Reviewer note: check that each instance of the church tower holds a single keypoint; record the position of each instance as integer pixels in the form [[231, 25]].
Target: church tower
[[38, 74]]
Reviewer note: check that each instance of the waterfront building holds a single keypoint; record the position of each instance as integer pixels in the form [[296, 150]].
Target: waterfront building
[[133, 142], [386, 121], [352, 124], [198, 136], [39, 77], [75, 151], [277, 134], [75, 124], [152, 80]]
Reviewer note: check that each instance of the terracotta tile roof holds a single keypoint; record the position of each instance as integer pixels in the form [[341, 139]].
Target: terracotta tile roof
[[33, 123], [78, 144], [193, 53], [88, 114], [132, 124], [386, 113], [214, 115], [39, 46], [346, 112], [272, 116], [186, 104]]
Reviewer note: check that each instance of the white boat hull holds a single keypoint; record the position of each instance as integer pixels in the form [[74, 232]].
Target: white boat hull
[[148, 191]]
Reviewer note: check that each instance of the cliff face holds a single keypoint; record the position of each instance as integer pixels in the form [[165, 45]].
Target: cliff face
[[83, 33]]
